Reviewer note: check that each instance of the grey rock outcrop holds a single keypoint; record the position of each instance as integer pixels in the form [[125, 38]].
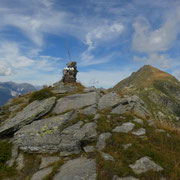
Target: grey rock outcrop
[[46, 161], [124, 178], [62, 88], [89, 110], [77, 169], [76, 101], [42, 174], [124, 128], [43, 135], [75, 137], [30, 113], [89, 149], [101, 144], [144, 164], [133, 105], [108, 100], [90, 89]]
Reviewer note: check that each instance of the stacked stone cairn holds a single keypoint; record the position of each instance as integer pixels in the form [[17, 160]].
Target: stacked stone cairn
[[70, 72]]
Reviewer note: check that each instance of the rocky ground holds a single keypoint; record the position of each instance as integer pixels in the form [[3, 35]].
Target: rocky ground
[[77, 133]]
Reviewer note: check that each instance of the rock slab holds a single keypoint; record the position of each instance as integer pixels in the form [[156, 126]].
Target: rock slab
[[124, 128], [145, 164], [30, 113], [78, 169]]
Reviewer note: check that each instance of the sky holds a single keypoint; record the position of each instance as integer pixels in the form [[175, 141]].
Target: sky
[[109, 39]]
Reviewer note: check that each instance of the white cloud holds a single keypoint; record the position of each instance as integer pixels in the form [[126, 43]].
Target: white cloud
[[104, 79]]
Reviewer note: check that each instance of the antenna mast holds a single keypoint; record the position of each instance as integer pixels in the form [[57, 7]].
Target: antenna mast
[[68, 51]]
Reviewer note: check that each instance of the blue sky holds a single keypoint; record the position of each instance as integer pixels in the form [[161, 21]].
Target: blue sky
[[108, 39]]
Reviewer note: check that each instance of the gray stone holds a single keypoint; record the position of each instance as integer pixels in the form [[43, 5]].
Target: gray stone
[[101, 144], [97, 116], [144, 164], [139, 132], [139, 121], [14, 108], [133, 105], [124, 178], [108, 100], [78, 169], [44, 135], [126, 146], [42, 174], [14, 154], [89, 110], [150, 122], [62, 88], [20, 161], [124, 128], [107, 157], [74, 137], [160, 130], [46, 161], [88, 149], [89, 89], [76, 101], [30, 113]]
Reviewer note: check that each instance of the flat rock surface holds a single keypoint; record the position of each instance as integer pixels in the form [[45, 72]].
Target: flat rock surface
[[43, 135], [78, 169], [45, 161], [42, 174], [30, 113], [139, 132], [89, 110], [124, 128], [144, 164], [76, 101], [108, 100]]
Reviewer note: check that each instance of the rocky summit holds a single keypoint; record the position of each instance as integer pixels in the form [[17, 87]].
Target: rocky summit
[[71, 132]]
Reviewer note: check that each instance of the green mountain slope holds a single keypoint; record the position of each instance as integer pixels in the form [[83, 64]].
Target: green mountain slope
[[159, 90]]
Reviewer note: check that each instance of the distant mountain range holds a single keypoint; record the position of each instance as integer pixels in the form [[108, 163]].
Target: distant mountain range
[[10, 90]]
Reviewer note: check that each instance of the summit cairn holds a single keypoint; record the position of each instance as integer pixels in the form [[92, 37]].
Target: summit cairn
[[70, 72]]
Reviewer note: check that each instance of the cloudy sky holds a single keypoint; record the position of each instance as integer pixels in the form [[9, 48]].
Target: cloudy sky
[[109, 39]]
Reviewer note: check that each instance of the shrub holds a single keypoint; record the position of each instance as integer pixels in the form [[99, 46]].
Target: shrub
[[5, 151], [41, 94]]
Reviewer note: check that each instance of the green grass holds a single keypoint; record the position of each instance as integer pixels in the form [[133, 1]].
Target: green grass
[[163, 150], [41, 94]]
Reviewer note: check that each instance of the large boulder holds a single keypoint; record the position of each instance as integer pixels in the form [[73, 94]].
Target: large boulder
[[76, 169], [108, 100], [50, 135], [43, 135], [32, 112], [133, 105], [62, 88], [75, 137], [76, 101]]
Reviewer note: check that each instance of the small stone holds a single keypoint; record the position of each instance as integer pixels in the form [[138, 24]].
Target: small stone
[[97, 116], [124, 178], [168, 135], [14, 155], [89, 89], [107, 157], [101, 144], [145, 164], [45, 161], [150, 122], [124, 128], [139, 132], [88, 149], [126, 146], [160, 130], [20, 161], [139, 121], [42, 174]]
